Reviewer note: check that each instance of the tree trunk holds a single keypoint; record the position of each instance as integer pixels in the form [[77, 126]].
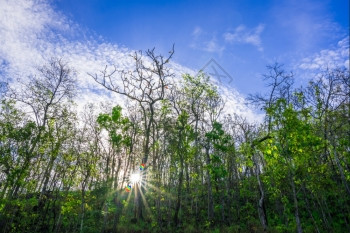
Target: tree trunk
[[261, 202], [210, 194], [308, 208], [296, 208], [341, 170]]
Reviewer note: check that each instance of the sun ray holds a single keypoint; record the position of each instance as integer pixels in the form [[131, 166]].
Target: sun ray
[[145, 203], [168, 195], [127, 201]]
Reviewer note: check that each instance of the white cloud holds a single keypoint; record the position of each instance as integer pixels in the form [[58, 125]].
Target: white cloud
[[236, 104], [31, 32], [331, 58], [246, 36], [211, 46], [204, 42], [197, 31]]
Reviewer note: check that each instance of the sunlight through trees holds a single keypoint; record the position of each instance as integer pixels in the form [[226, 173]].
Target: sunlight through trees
[[170, 161]]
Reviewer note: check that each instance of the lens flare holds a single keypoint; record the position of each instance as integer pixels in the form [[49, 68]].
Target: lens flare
[[134, 178], [142, 167], [128, 188]]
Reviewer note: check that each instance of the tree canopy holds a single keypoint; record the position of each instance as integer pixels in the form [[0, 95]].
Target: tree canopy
[[197, 169]]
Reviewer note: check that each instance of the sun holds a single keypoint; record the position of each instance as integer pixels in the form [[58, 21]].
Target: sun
[[135, 178]]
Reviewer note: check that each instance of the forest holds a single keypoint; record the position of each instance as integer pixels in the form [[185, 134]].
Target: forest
[[169, 160]]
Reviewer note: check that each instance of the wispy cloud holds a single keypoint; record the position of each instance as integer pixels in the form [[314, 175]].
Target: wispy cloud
[[31, 32], [331, 58], [244, 35], [197, 32], [204, 41], [212, 46]]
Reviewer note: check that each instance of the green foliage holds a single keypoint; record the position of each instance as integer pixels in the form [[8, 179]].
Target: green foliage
[[67, 174]]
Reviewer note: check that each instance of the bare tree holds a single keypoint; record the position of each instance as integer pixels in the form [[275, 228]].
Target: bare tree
[[281, 84], [146, 85]]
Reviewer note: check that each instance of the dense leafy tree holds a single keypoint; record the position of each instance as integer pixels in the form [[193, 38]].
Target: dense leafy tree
[[68, 171]]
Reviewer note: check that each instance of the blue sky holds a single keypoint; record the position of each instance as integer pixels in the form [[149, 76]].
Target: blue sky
[[242, 36]]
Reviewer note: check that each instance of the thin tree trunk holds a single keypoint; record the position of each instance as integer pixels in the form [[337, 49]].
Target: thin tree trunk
[[261, 202], [296, 207], [341, 170], [308, 208], [210, 194], [180, 153]]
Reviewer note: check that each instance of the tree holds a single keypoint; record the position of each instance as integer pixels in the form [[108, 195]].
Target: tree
[[43, 94], [146, 85], [281, 84]]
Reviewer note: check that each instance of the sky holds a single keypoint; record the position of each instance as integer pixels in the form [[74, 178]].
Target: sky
[[241, 37]]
